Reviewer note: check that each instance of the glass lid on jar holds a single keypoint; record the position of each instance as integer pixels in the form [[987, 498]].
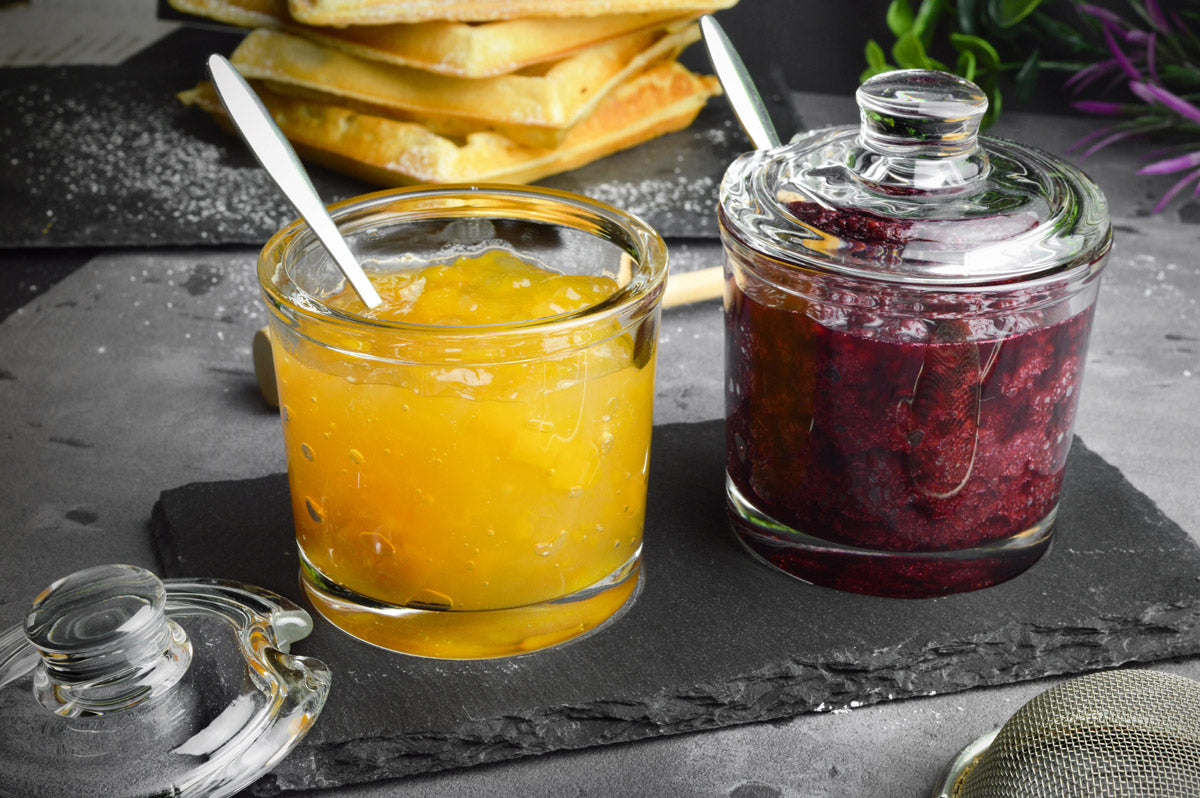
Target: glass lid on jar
[[118, 684], [914, 194]]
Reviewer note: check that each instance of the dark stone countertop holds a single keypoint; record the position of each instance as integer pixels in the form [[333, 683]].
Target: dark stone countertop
[[125, 372]]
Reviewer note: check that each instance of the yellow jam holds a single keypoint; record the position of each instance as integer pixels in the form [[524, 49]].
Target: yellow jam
[[473, 478]]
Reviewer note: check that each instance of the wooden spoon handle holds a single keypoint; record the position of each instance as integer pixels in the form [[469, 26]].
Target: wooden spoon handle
[[688, 287]]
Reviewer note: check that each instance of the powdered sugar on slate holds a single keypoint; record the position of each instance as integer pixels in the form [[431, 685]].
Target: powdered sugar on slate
[[107, 156]]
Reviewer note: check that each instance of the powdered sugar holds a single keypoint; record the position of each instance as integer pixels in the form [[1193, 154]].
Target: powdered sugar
[[660, 196], [108, 156]]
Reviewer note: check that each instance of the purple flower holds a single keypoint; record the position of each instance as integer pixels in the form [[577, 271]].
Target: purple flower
[[1156, 15], [1142, 91], [1169, 165], [1095, 134], [1105, 136], [1102, 14], [1179, 23], [1152, 93], [1084, 77], [1150, 48], [1119, 54], [1164, 101], [1099, 107], [1175, 189]]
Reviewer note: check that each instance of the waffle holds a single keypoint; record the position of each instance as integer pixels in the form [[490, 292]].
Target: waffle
[[485, 50], [388, 152], [382, 12], [534, 108], [457, 49], [243, 13]]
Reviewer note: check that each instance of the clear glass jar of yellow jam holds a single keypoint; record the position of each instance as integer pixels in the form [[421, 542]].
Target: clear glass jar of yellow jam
[[468, 460]]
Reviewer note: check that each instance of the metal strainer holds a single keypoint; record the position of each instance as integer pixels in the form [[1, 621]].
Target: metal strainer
[[1117, 734]]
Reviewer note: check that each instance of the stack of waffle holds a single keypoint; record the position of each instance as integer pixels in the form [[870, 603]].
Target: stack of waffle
[[439, 91]]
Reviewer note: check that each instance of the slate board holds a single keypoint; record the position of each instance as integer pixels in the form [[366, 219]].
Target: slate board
[[106, 156], [715, 638]]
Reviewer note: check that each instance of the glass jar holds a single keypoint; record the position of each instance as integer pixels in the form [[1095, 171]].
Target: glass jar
[[468, 463], [907, 310]]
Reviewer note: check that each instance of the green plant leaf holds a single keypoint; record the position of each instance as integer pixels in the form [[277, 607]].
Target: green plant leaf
[[1063, 34], [877, 62], [985, 54], [900, 17], [1007, 13], [994, 105], [876, 59], [909, 53], [1179, 76], [1025, 80], [968, 14], [925, 22], [871, 72], [966, 65]]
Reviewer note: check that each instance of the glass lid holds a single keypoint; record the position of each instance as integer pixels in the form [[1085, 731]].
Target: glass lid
[[118, 685], [914, 194]]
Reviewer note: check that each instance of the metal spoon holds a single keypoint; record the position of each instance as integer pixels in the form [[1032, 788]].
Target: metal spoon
[[747, 104], [738, 85], [276, 155]]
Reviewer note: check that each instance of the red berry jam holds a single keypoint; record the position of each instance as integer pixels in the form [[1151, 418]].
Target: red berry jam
[[907, 316], [875, 448]]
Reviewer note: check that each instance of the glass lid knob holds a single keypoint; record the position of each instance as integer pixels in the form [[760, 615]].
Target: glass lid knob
[[105, 640], [920, 129]]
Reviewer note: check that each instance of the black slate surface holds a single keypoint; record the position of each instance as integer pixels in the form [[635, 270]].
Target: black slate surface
[[106, 156], [715, 638]]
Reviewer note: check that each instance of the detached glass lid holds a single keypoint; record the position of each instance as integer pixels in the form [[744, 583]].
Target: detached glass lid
[[118, 684], [915, 195]]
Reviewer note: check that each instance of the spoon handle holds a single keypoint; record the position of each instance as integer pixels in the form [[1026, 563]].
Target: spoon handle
[[738, 85], [276, 155]]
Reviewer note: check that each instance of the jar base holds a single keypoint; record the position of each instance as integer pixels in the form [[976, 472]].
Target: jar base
[[893, 574], [479, 634]]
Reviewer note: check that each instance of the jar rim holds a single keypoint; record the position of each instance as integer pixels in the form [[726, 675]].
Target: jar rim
[[539, 205], [1084, 266]]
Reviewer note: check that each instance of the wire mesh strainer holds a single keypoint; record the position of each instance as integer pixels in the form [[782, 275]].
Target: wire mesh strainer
[[1117, 734]]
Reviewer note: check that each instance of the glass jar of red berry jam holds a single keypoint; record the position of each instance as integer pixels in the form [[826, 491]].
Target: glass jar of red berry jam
[[907, 311]]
